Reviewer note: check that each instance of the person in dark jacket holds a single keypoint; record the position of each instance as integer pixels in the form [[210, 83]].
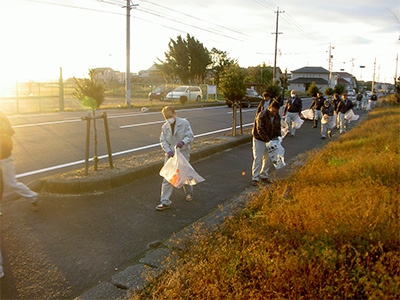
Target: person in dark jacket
[[372, 99], [317, 104], [292, 111], [359, 99], [327, 121], [267, 126], [335, 104], [344, 106]]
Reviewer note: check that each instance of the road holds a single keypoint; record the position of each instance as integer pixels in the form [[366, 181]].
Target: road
[[51, 143]]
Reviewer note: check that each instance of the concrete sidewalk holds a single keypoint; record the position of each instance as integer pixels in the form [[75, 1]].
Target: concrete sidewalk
[[96, 245]]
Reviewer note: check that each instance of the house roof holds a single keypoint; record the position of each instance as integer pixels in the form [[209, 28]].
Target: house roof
[[343, 74], [313, 70], [309, 80]]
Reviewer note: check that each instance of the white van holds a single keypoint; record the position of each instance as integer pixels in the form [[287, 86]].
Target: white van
[[191, 92]]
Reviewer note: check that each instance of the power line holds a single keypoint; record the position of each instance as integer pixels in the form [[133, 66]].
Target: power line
[[194, 17], [147, 11]]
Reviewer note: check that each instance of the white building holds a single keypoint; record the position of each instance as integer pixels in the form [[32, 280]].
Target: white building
[[302, 78]]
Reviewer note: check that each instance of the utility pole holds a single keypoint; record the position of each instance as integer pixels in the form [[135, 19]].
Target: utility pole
[[373, 77], [330, 64], [129, 6], [395, 74], [352, 65], [276, 42]]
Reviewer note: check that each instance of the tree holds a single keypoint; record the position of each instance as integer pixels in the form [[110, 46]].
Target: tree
[[329, 91], [260, 74], [220, 62], [339, 89], [90, 92], [313, 90], [233, 89], [284, 83], [187, 59]]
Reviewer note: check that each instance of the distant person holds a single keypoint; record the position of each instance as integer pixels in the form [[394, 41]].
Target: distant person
[[10, 185], [174, 132], [359, 99], [372, 99], [292, 110], [365, 101], [327, 120], [266, 127], [317, 103], [335, 104], [344, 106]]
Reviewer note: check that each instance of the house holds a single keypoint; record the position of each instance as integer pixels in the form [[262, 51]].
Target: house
[[108, 75], [344, 78], [302, 78]]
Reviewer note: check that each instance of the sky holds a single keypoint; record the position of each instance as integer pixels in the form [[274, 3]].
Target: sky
[[38, 37]]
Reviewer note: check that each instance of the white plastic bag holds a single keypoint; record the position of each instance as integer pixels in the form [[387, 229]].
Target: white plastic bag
[[350, 116], [308, 114], [324, 119], [178, 171], [277, 153], [297, 122]]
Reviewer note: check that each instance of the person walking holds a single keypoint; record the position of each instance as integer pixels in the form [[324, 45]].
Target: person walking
[[344, 106], [317, 104], [175, 132], [335, 104], [266, 127], [372, 99], [327, 120], [292, 110], [10, 185], [364, 101], [264, 103], [359, 99]]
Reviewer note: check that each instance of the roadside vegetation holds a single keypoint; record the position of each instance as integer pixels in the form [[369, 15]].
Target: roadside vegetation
[[330, 230]]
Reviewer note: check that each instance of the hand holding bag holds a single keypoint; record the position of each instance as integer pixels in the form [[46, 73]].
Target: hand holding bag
[[178, 171]]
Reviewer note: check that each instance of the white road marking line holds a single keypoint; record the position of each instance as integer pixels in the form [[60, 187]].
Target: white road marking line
[[141, 124], [115, 154], [114, 116]]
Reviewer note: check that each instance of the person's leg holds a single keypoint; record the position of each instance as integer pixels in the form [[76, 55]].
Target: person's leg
[[1, 266], [258, 154], [341, 122], [10, 183], [324, 130]]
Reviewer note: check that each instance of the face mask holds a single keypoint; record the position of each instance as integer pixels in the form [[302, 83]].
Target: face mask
[[171, 120], [293, 96]]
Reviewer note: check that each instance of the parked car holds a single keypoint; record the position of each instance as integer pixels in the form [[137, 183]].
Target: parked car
[[368, 93], [251, 98], [159, 93], [351, 93], [191, 92]]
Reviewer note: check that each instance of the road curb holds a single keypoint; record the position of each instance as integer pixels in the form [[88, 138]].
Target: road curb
[[88, 185]]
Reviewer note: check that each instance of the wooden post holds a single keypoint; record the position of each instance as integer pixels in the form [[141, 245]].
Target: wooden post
[[240, 118], [87, 144], [233, 118], [108, 140]]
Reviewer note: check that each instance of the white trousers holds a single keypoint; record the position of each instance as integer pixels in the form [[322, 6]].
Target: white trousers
[[290, 117], [261, 161], [342, 122], [327, 127], [11, 185], [167, 188]]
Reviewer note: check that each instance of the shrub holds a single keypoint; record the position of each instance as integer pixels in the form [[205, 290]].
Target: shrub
[[183, 99]]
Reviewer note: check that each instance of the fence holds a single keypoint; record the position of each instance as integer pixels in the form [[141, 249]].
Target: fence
[[33, 97]]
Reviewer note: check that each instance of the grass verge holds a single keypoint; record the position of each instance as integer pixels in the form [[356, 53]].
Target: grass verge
[[331, 230]]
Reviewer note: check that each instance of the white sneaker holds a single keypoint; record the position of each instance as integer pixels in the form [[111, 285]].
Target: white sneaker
[[189, 197]]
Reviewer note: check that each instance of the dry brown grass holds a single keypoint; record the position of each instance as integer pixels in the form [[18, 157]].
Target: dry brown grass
[[335, 234]]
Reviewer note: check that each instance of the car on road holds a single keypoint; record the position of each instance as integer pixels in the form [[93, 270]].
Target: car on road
[[368, 93], [251, 98], [159, 93], [351, 93], [191, 92]]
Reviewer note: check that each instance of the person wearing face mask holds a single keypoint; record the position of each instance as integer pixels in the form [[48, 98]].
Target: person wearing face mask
[[317, 104], [174, 132], [292, 110], [267, 126]]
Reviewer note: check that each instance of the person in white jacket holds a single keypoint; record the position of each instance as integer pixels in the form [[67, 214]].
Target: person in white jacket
[[174, 132]]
